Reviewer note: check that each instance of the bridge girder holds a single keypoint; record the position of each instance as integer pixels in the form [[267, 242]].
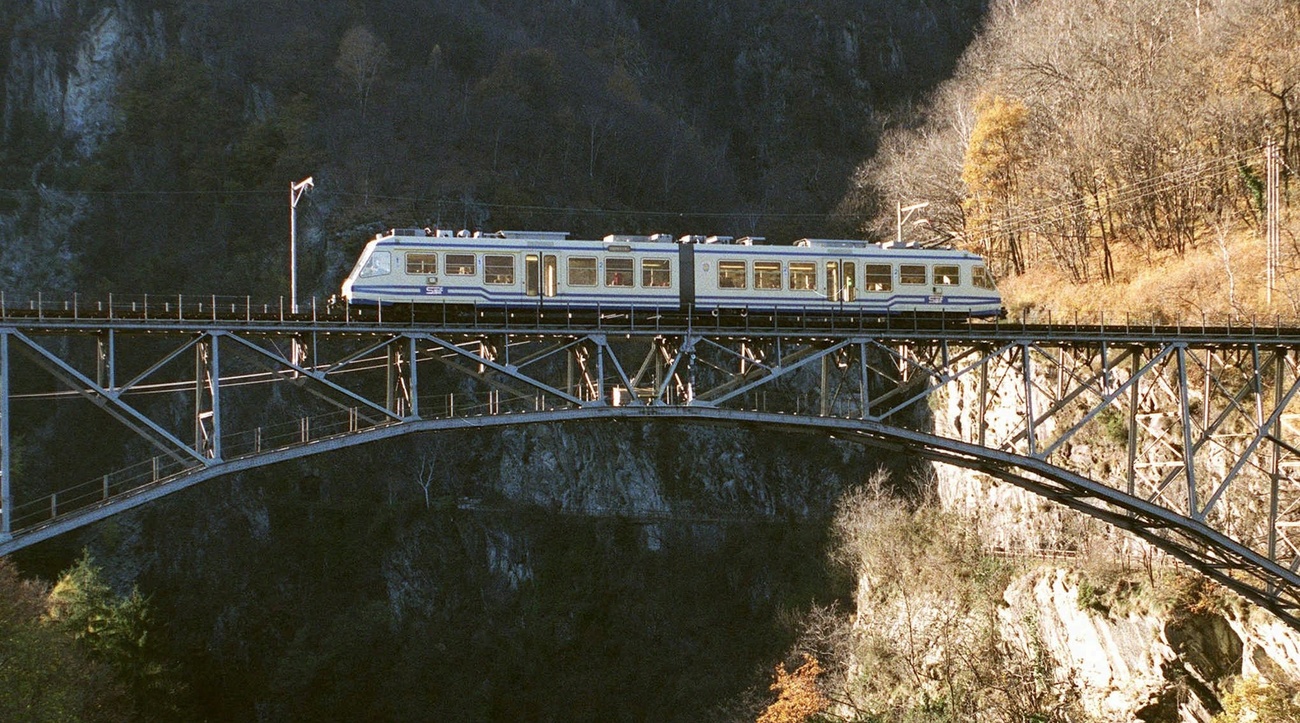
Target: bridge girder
[[1189, 442]]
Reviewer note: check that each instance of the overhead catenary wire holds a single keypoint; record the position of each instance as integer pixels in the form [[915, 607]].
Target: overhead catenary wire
[[1027, 220], [235, 381], [1120, 196], [273, 197]]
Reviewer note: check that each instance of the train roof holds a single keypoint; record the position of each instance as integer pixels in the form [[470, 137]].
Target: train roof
[[854, 247]]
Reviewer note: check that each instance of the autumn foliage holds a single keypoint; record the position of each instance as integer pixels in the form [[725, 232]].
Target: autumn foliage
[[1097, 139], [994, 159], [797, 696]]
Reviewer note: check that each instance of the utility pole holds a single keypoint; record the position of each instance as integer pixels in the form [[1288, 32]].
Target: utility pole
[[1272, 200], [295, 192]]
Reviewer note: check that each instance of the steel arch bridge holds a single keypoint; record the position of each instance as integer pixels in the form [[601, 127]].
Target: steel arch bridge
[[1185, 437]]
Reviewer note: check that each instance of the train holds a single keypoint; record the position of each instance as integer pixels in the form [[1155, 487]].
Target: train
[[711, 274]]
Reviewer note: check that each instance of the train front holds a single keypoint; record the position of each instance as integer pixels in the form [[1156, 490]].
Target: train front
[[374, 264]]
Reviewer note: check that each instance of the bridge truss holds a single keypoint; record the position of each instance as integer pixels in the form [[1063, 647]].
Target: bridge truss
[[1187, 438]]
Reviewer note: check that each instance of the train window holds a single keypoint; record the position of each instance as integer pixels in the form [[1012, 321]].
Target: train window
[[912, 274], [498, 269], [582, 271], [421, 263], [731, 275], [460, 264], [981, 277], [947, 275], [878, 277], [656, 272], [767, 274], [618, 272], [380, 263], [803, 276]]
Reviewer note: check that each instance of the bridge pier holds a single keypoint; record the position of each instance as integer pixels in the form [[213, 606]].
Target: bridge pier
[[395, 398], [1134, 398], [6, 456], [207, 397], [1275, 461], [105, 359]]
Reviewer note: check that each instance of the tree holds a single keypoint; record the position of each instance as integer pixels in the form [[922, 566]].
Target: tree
[[928, 640], [361, 57], [1253, 698], [992, 169], [1265, 58], [424, 478], [44, 674], [115, 630], [798, 699]]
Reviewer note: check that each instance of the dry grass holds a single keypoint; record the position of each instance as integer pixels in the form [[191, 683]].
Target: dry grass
[[1223, 277]]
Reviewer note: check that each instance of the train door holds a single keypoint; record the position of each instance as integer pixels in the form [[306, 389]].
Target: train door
[[841, 280], [532, 274], [550, 275], [541, 275]]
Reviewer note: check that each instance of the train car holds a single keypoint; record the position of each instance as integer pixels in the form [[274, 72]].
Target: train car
[[516, 268], [844, 275], [548, 269]]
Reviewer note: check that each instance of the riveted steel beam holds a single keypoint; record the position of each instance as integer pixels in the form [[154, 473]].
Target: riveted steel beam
[[110, 401], [1211, 409], [6, 453]]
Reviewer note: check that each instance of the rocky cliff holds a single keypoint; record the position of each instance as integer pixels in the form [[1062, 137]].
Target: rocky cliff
[[1170, 661], [1135, 635], [597, 571]]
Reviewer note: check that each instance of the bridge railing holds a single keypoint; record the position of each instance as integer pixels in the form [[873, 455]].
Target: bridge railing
[[160, 307], [261, 440], [227, 308], [136, 476]]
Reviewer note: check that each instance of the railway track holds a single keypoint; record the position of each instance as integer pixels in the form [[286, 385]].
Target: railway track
[[155, 313]]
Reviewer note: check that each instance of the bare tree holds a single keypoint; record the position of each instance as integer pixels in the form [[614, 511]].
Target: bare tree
[[1120, 122], [425, 476], [361, 57]]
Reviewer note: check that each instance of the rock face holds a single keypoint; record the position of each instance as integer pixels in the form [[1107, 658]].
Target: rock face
[[1169, 661], [597, 568], [1145, 665], [66, 66], [75, 90], [62, 70], [107, 49]]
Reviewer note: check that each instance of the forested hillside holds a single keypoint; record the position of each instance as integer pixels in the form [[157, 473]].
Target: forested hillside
[[1106, 155], [147, 144], [1087, 142], [598, 572]]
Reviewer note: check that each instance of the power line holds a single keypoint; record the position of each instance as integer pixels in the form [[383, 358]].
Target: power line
[[139, 192], [446, 203], [587, 210], [1208, 169], [1025, 221]]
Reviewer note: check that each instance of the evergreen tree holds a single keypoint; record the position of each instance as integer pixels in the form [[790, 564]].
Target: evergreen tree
[[114, 630], [44, 674]]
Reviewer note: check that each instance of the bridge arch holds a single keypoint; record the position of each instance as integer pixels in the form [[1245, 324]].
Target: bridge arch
[[1246, 572]]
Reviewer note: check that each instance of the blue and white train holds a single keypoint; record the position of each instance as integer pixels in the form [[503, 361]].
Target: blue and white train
[[518, 269]]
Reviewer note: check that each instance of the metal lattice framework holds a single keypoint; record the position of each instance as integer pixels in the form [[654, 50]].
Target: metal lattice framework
[[1185, 437]]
